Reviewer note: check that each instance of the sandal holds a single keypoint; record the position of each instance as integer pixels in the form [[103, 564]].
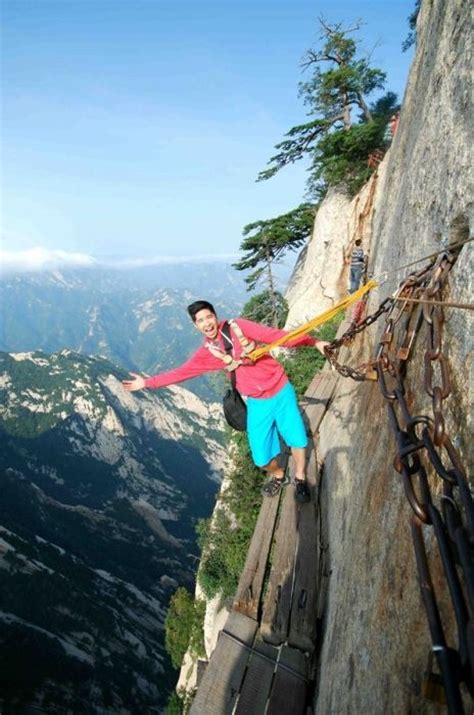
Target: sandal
[[273, 486], [302, 494]]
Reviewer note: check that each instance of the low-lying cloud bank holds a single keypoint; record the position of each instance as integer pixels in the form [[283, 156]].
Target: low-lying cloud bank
[[38, 258], [44, 259]]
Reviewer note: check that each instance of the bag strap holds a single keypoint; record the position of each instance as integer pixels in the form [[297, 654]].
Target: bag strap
[[227, 357], [229, 348], [246, 344]]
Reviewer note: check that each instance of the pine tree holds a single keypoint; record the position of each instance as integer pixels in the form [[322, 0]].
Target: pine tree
[[267, 309], [345, 129], [412, 18], [265, 243]]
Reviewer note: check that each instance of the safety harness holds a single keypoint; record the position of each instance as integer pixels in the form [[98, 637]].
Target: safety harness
[[226, 356]]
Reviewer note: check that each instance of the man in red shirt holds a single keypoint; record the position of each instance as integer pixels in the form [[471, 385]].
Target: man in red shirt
[[272, 408]]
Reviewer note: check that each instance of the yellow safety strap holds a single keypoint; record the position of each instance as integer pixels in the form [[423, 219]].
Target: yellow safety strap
[[315, 322]]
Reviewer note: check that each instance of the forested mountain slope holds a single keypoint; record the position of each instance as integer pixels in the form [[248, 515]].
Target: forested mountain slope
[[101, 491]]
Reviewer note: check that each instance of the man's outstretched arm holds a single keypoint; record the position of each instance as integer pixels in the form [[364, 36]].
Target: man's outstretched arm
[[201, 362]]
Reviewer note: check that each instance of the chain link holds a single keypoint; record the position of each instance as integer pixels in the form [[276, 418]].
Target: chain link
[[425, 452], [332, 350]]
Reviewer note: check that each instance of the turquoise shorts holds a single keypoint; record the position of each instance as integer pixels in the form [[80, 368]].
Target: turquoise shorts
[[269, 416]]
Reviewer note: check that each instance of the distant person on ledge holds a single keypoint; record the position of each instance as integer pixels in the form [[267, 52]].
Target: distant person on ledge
[[272, 407], [357, 260]]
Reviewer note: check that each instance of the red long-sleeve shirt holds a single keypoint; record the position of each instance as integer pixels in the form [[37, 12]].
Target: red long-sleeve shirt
[[264, 378]]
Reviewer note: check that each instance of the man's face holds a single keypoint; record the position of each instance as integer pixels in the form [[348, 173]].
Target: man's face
[[206, 323]]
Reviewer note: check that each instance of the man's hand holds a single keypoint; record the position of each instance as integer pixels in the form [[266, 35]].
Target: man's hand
[[320, 345], [138, 383]]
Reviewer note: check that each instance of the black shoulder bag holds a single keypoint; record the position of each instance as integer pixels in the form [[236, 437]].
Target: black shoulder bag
[[235, 409]]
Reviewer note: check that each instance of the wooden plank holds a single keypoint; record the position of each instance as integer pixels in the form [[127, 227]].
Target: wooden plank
[[319, 380], [258, 679], [223, 677], [303, 615], [276, 608], [325, 381], [318, 396], [304, 608], [249, 590], [290, 687], [201, 669]]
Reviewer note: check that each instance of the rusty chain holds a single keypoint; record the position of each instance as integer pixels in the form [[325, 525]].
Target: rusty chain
[[332, 350], [425, 452]]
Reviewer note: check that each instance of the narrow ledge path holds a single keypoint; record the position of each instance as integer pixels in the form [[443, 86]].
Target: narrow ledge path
[[264, 660]]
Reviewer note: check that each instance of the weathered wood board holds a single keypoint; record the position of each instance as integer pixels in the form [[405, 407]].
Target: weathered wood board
[[249, 590], [258, 680], [276, 608], [223, 677], [303, 615], [317, 398], [315, 405], [290, 687]]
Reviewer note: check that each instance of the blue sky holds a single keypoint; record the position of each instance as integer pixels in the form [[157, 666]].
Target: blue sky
[[136, 128]]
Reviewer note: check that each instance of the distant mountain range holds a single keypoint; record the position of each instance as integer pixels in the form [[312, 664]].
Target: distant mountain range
[[136, 317], [101, 490]]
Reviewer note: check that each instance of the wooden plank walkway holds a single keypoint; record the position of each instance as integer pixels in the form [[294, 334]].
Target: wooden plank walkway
[[246, 676], [223, 677], [302, 629], [290, 687], [262, 660], [258, 681], [276, 609], [249, 591]]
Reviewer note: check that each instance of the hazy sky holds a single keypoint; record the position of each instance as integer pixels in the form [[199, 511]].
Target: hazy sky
[[137, 127]]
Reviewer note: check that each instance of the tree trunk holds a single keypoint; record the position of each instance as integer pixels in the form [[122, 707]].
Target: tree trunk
[[271, 288], [364, 107], [347, 114]]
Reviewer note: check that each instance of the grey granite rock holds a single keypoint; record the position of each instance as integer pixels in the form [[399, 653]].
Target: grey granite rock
[[374, 639]]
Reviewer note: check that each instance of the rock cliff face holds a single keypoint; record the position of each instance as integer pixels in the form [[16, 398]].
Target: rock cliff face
[[374, 641], [321, 275]]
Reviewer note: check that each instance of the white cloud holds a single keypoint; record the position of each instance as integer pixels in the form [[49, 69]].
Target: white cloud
[[39, 258], [160, 260], [44, 259]]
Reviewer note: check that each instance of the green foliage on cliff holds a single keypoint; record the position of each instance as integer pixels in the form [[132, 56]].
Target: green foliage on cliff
[[266, 240], [410, 40], [267, 309], [184, 626], [179, 703], [340, 158], [224, 539]]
